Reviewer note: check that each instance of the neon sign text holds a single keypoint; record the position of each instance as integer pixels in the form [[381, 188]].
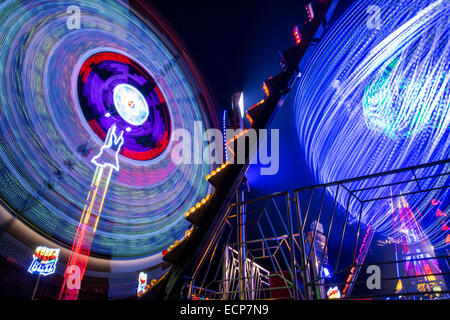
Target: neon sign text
[[44, 261]]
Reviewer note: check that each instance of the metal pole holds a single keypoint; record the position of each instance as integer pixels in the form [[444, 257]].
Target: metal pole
[[225, 274], [35, 287], [190, 291], [343, 231], [357, 233], [291, 244], [241, 244], [305, 267]]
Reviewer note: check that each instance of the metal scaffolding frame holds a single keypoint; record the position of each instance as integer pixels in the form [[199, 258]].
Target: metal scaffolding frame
[[287, 258]]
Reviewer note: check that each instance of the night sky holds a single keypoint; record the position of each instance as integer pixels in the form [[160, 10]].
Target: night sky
[[236, 46]]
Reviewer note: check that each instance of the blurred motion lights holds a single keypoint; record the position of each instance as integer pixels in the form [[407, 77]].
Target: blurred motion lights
[[57, 103]]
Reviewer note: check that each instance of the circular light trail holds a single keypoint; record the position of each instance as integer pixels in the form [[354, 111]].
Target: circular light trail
[[141, 111], [130, 104], [375, 97]]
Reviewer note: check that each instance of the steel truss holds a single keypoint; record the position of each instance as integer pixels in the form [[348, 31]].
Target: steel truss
[[287, 251]]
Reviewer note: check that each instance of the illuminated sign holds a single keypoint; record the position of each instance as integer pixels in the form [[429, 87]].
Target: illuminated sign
[[114, 144], [333, 293], [142, 282], [44, 261]]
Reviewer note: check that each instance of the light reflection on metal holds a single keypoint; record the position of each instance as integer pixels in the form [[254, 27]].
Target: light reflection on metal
[[255, 277], [112, 144], [241, 104]]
